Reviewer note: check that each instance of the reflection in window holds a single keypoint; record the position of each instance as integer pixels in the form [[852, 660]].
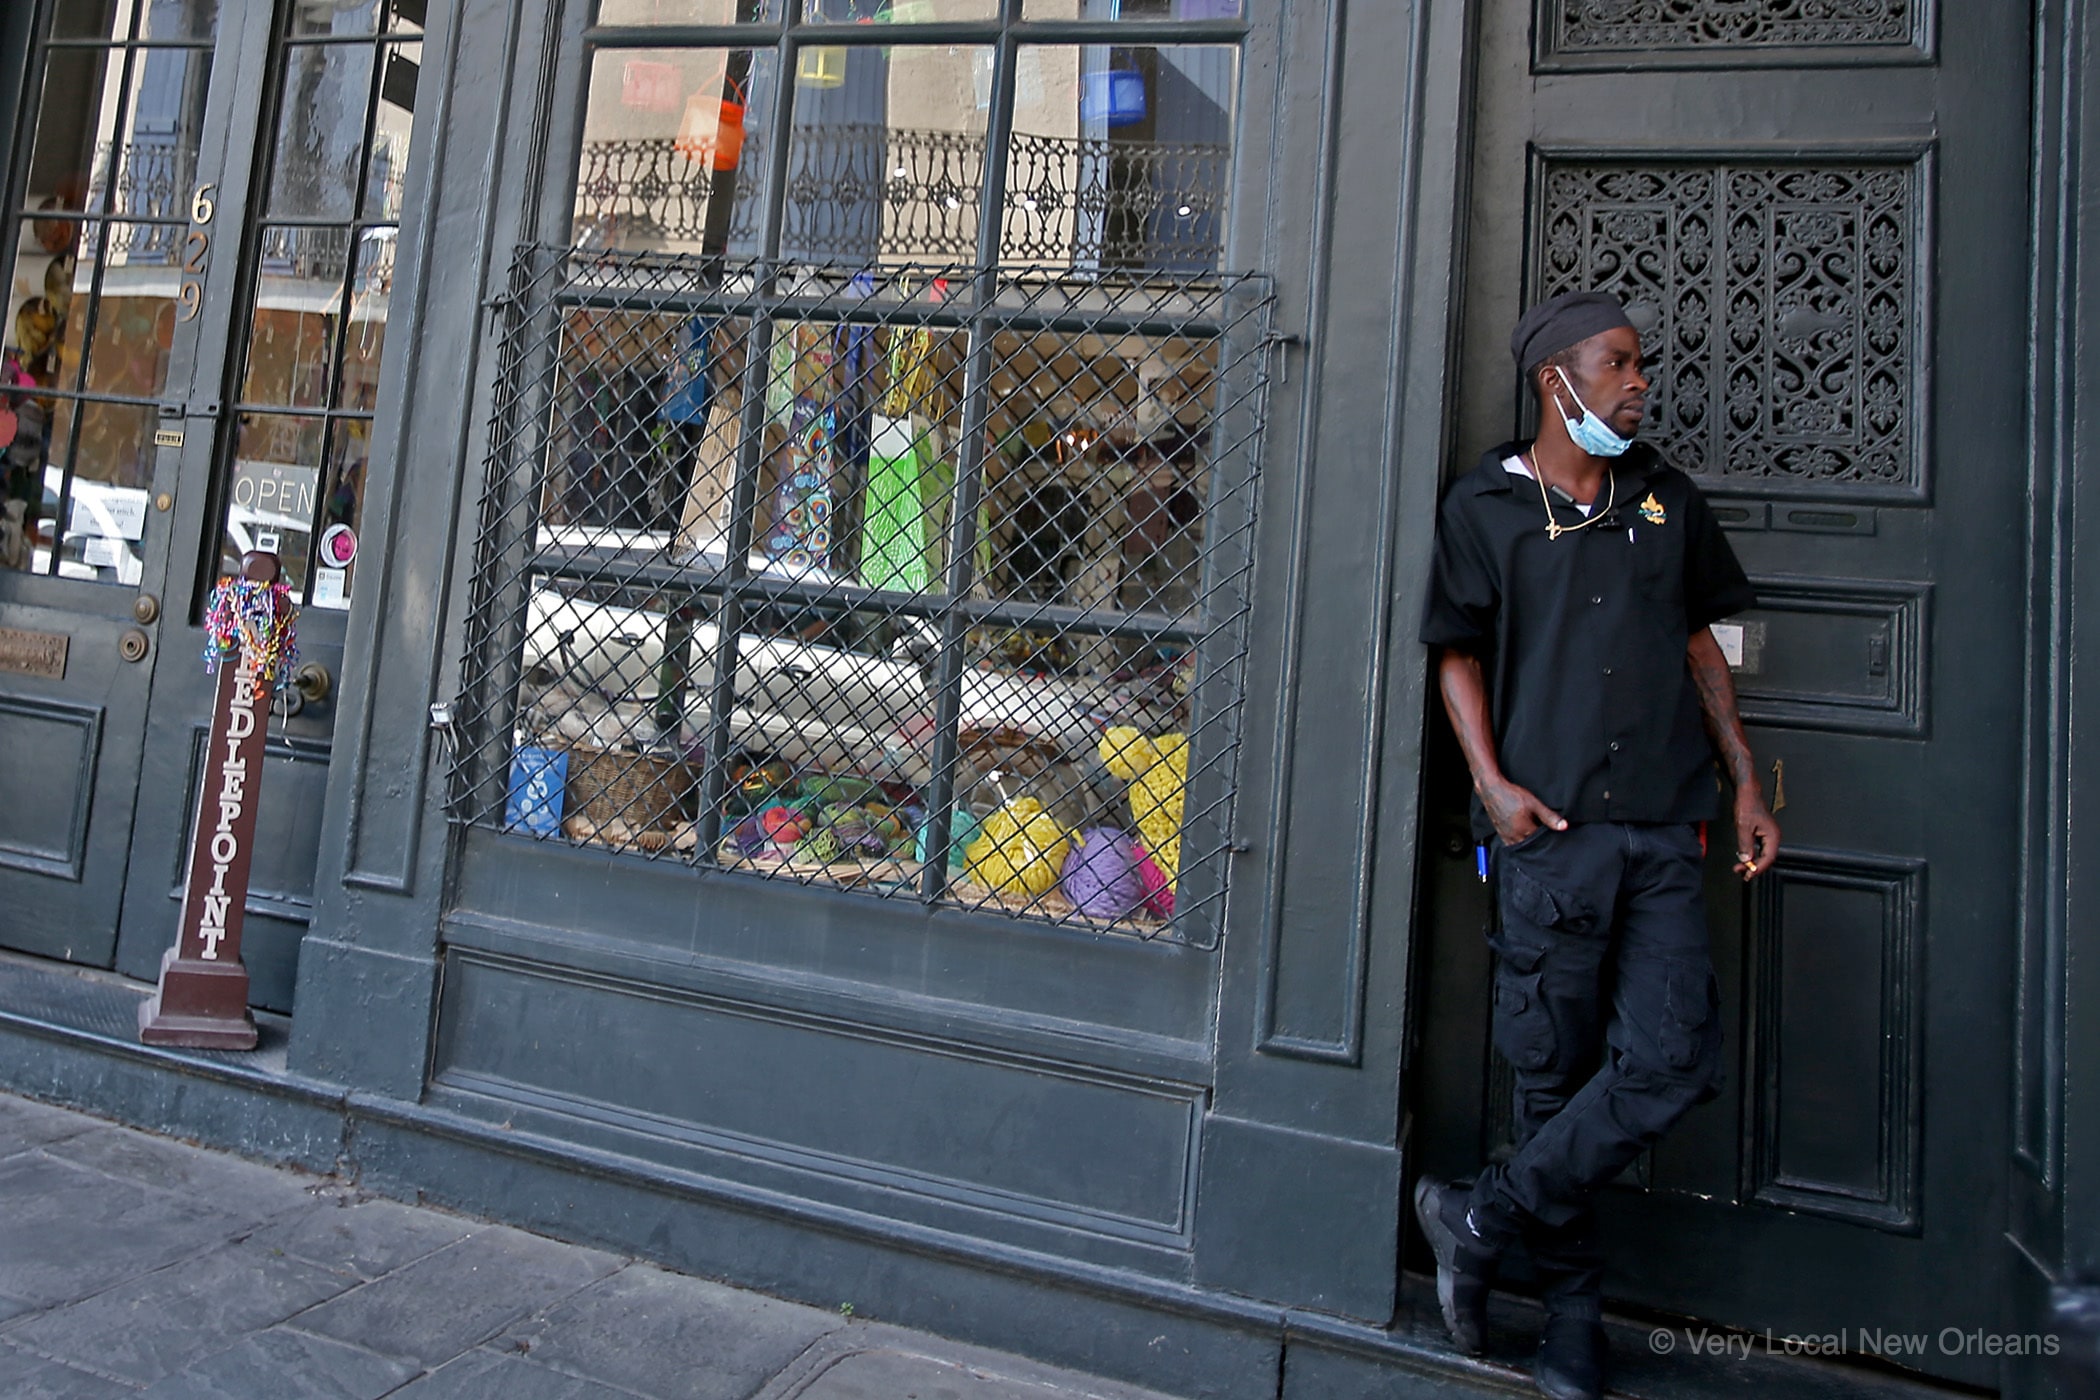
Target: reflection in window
[[91, 255], [1118, 156]]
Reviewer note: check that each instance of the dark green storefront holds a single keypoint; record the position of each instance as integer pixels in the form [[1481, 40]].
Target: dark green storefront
[[1056, 414]]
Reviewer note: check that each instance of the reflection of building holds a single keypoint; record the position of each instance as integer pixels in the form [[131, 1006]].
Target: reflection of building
[[825, 434]]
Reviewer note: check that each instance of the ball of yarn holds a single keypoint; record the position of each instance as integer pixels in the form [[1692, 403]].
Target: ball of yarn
[[1019, 851], [1159, 890], [1101, 874]]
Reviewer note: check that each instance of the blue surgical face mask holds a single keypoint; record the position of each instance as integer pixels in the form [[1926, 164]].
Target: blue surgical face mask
[[1590, 433]]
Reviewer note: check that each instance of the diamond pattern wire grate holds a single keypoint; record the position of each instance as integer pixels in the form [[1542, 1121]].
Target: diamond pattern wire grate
[[929, 582]]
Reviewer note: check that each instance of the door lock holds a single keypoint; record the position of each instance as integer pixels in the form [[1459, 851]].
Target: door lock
[[145, 610], [313, 682], [133, 645]]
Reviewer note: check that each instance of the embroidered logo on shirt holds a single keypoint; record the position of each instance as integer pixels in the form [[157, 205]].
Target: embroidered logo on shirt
[[1652, 511]]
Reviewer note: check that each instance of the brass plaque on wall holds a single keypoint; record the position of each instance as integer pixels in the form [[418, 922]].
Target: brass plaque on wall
[[33, 653]]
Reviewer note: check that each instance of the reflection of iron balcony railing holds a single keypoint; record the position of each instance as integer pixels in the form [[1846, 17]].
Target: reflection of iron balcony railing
[[154, 179], [858, 190]]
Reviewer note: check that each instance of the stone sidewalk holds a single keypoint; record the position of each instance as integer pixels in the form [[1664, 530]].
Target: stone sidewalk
[[132, 1265]]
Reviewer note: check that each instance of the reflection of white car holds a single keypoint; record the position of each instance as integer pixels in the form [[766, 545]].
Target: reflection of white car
[[104, 525], [817, 684]]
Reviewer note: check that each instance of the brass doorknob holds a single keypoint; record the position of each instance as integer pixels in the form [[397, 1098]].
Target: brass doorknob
[[313, 682]]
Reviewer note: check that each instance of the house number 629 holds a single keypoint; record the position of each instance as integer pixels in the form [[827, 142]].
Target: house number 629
[[196, 251]]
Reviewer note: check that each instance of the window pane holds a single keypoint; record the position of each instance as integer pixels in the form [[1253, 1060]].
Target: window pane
[[888, 154], [320, 131], [898, 11], [272, 493], [292, 331], [92, 19], [108, 515], [111, 118], [333, 17], [371, 287], [687, 11], [1121, 157], [174, 20], [134, 319], [342, 514], [387, 169], [1130, 9], [43, 327], [1096, 492], [673, 152]]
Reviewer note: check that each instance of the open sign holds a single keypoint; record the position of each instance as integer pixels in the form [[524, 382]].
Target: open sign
[[283, 489]]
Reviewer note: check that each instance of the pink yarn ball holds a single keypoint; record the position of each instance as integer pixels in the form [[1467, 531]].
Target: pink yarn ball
[[1159, 891]]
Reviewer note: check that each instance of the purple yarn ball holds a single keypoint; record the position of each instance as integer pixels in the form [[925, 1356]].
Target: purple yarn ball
[[1101, 874]]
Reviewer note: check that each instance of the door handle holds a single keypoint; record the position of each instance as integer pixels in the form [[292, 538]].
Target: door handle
[[313, 682]]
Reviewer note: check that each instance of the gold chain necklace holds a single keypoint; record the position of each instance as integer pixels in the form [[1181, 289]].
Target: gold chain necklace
[[1554, 529]]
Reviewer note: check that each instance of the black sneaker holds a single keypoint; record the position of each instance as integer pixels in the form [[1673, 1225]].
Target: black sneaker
[[1465, 1263], [1571, 1359]]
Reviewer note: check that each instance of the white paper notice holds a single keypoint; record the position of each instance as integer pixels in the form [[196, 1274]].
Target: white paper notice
[[1730, 636], [331, 588]]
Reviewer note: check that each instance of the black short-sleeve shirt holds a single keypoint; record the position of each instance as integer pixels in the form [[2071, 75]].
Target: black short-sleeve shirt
[[1582, 638]]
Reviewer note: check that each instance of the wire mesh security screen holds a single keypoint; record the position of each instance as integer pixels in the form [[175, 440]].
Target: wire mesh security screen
[[873, 507]]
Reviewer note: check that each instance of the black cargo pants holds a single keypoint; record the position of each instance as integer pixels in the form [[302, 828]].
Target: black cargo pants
[[1606, 1009]]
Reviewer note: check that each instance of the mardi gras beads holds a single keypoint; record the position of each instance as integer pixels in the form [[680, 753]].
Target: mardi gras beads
[[247, 617]]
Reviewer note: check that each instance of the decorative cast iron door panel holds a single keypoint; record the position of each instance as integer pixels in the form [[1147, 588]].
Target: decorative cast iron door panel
[[1812, 235], [1781, 303], [1723, 31]]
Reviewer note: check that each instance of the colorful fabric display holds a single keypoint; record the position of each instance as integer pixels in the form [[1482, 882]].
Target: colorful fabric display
[[801, 533], [691, 390], [893, 524]]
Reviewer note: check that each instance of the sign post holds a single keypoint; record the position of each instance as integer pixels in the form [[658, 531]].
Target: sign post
[[202, 1000]]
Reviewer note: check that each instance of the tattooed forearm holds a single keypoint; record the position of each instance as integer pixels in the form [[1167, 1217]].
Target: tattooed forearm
[[1716, 687]]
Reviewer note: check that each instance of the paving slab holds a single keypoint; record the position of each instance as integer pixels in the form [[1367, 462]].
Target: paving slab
[[489, 1375], [285, 1364], [671, 1337], [69, 1232], [25, 1123], [146, 1328], [885, 1373], [363, 1236], [449, 1301], [248, 1190], [26, 1376]]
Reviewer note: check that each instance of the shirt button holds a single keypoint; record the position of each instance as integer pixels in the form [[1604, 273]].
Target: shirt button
[[1607, 670], [1607, 797], [1596, 600], [1615, 746]]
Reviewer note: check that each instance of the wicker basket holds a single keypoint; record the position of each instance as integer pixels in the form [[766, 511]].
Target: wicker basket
[[640, 789]]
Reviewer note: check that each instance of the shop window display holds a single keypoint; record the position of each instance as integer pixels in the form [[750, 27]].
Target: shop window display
[[820, 561]]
